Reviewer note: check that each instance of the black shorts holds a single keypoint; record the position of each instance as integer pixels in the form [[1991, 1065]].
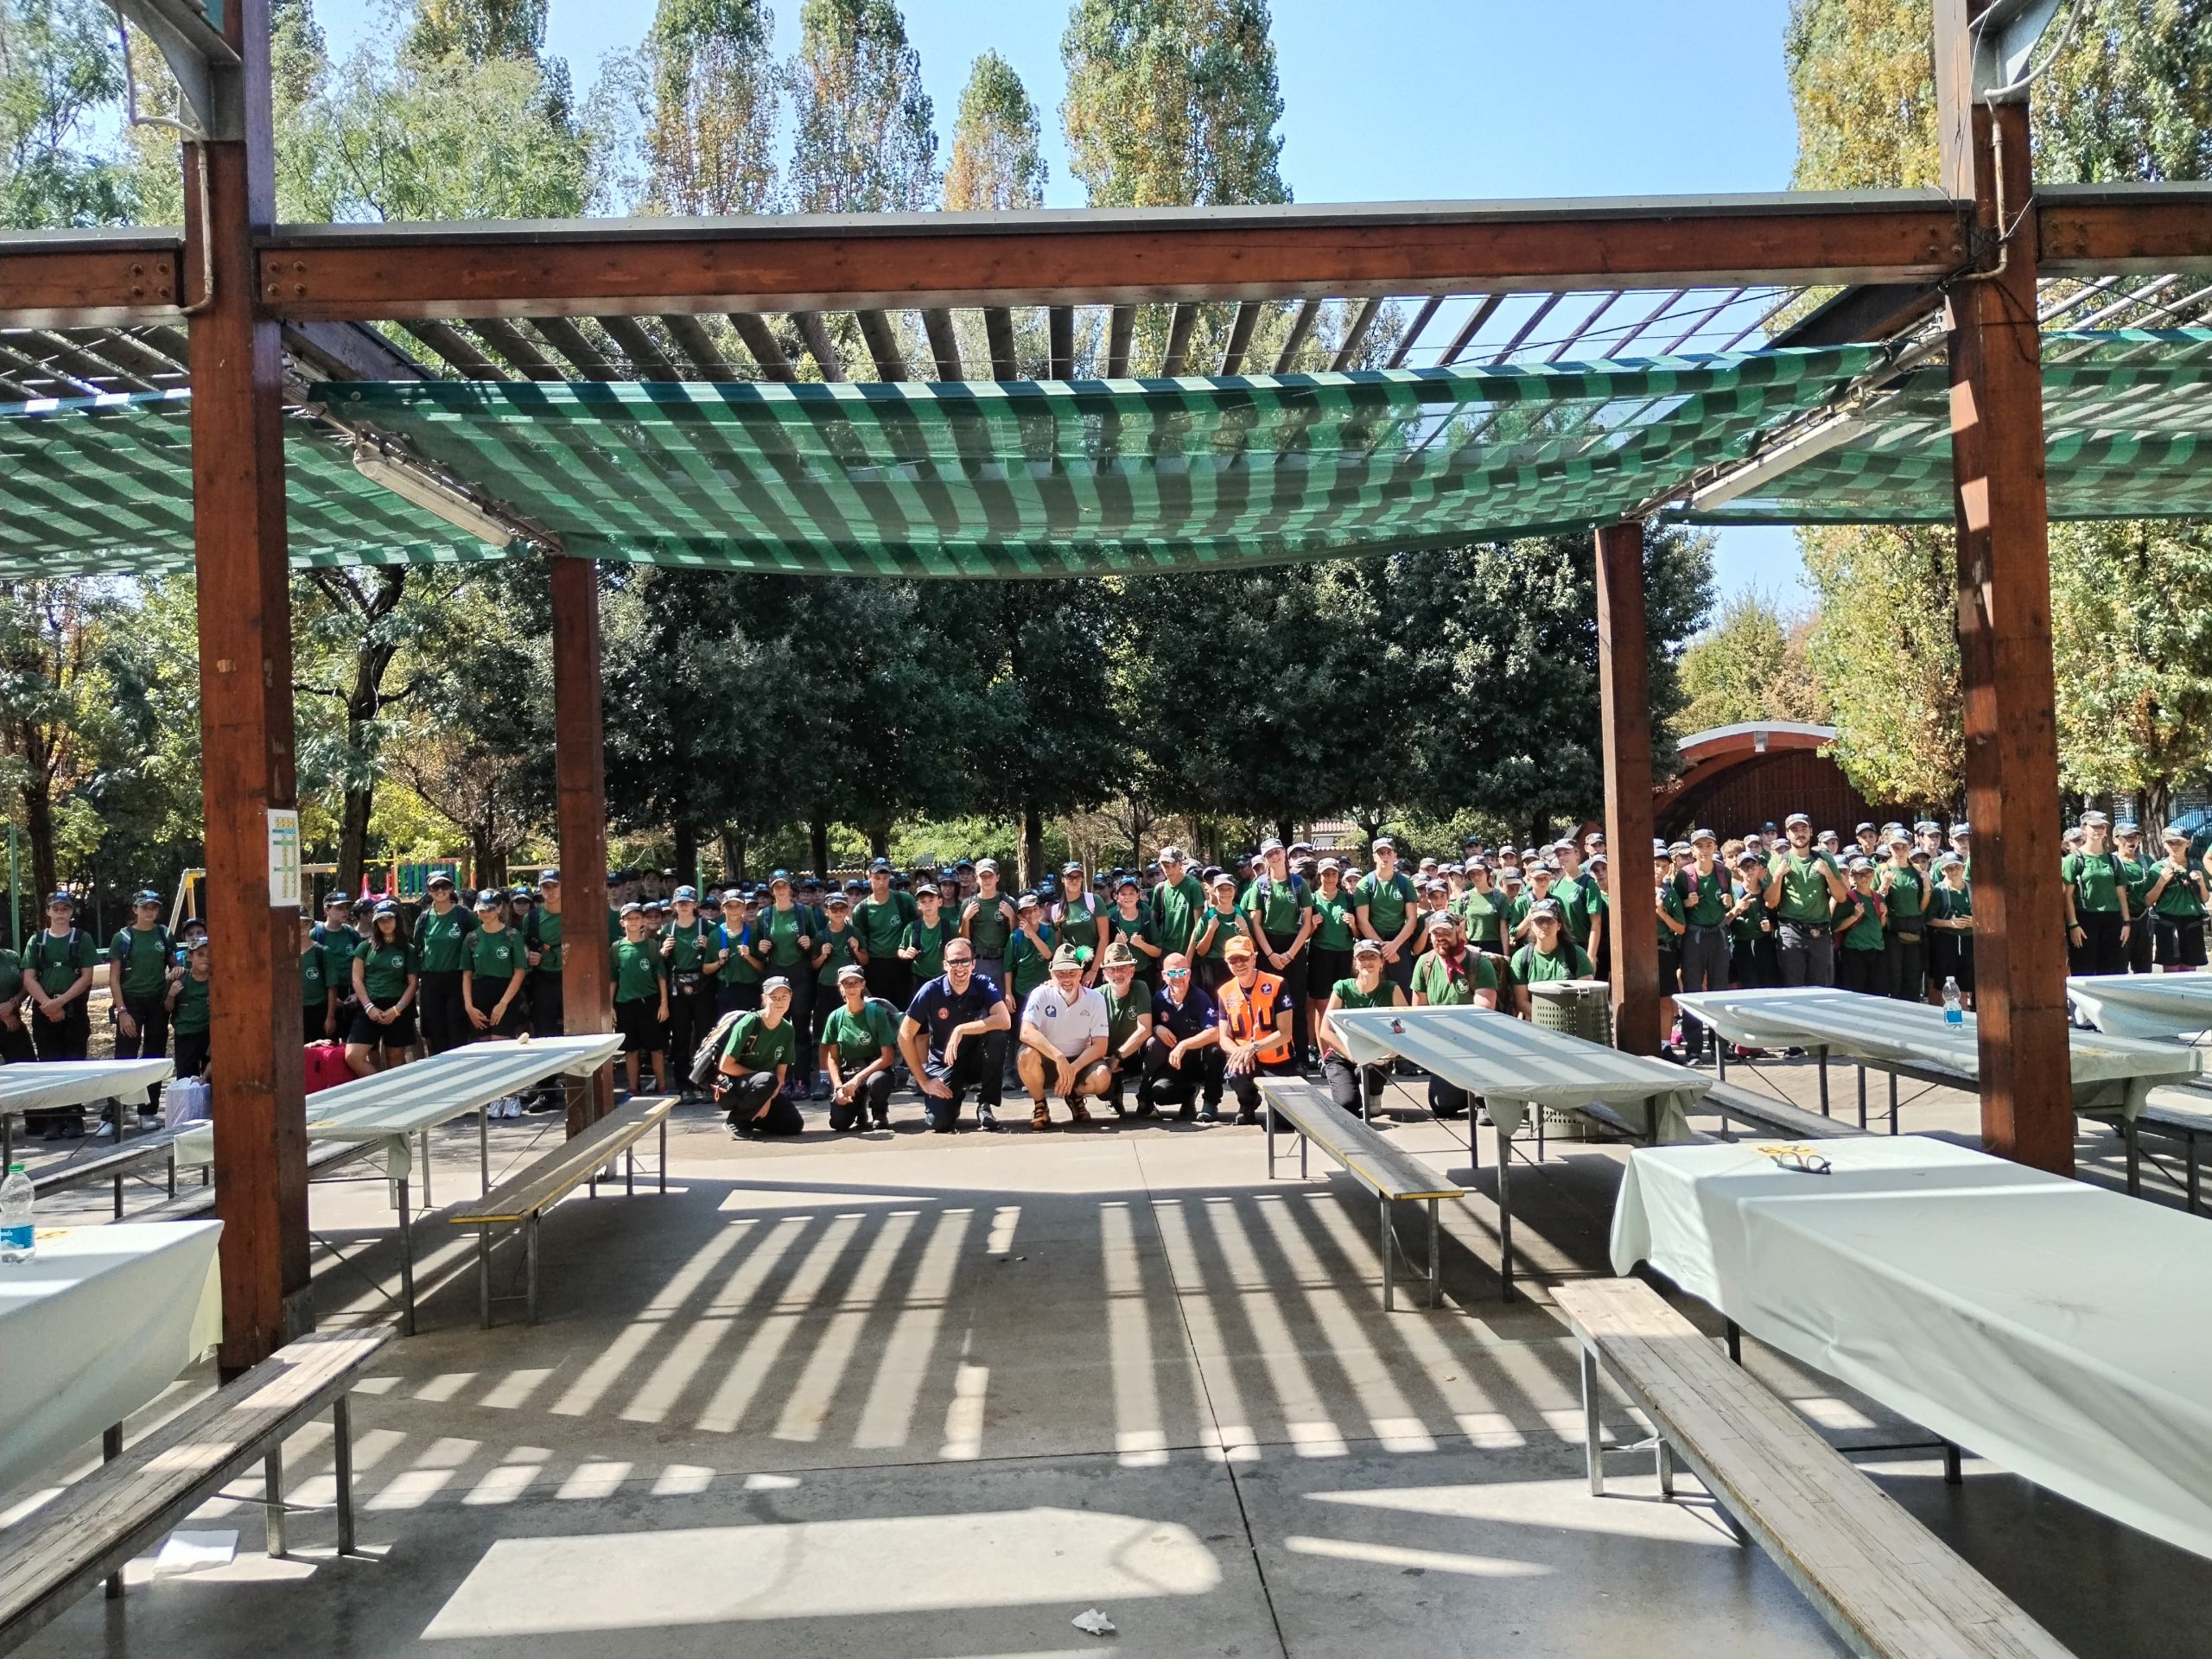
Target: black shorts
[[367, 1033], [1670, 972], [2179, 941], [639, 1023], [489, 992], [1323, 969]]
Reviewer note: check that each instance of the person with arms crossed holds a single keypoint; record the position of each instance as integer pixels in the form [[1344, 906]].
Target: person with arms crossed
[[954, 1040]]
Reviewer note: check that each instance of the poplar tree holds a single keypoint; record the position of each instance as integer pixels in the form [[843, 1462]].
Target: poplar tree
[[863, 142], [710, 137]]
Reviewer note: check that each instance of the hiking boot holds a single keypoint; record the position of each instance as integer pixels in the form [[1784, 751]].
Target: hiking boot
[[1186, 1112], [1208, 1113], [987, 1120], [1078, 1112], [1247, 1117], [1041, 1119]]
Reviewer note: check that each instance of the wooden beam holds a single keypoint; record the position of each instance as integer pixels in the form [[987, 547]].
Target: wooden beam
[[882, 342], [1059, 326], [509, 340], [1176, 359], [1300, 326], [349, 351], [2095, 229], [647, 361], [604, 267], [246, 735], [1871, 312], [697, 345], [457, 349], [2008, 687], [85, 279], [945, 343], [580, 787], [760, 341], [1240, 336], [1485, 307], [1120, 334], [998, 334], [583, 355], [1354, 336], [1421, 319], [819, 346], [1624, 715]]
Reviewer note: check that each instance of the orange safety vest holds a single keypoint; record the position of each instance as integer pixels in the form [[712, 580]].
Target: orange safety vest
[[1246, 1016]]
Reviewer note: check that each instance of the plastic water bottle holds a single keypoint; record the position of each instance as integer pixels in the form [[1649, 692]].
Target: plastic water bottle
[[1955, 1013], [18, 1237]]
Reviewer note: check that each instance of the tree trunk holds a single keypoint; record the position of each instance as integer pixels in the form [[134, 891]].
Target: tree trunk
[[687, 853], [878, 840], [1033, 847], [38, 825], [818, 843], [352, 841], [1286, 831], [732, 854]]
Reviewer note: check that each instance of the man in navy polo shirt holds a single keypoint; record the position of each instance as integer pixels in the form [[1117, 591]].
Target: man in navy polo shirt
[[954, 1040]]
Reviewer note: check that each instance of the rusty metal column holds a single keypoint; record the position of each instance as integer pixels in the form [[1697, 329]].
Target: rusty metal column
[[1624, 714], [2008, 688], [245, 721], [580, 769]]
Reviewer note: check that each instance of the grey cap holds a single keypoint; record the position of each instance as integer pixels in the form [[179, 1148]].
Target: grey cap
[[2094, 817], [851, 971], [1702, 834], [1172, 854], [634, 909], [685, 894], [2127, 827], [773, 983], [1953, 861], [990, 864], [1798, 818], [1367, 948]]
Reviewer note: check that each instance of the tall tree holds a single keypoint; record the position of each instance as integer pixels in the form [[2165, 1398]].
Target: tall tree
[[997, 165], [1753, 663], [710, 137], [479, 30], [59, 71], [52, 644], [863, 141]]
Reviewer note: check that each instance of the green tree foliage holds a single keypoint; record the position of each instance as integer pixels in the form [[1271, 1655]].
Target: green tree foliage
[[863, 141], [995, 164], [478, 30], [59, 70], [1753, 662], [710, 137], [1887, 650]]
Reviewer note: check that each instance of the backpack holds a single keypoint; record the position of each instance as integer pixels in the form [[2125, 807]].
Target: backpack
[[707, 1058], [1263, 886], [130, 943]]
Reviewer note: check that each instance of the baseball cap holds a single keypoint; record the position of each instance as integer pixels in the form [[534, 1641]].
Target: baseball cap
[[385, 907], [200, 943], [1798, 818], [1953, 861], [851, 971], [1440, 919], [1172, 855], [2094, 817], [1270, 845], [882, 864], [149, 897], [1367, 948], [549, 877], [927, 890], [633, 908], [983, 864], [1864, 829], [1702, 834], [1383, 843], [1028, 901], [336, 898], [835, 900], [489, 898], [773, 983], [1238, 945], [2127, 827], [682, 894], [62, 899], [1546, 907], [1129, 881]]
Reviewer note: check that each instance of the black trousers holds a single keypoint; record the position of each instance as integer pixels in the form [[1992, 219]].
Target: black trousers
[[743, 1099], [151, 1015], [1197, 1078], [1346, 1083], [548, 1014], [1867, 971], [445, 1015], [2102, 950], [979, 1063], [192, 1054], [1293, 976], [1905, 967], [871, 1100], [2142, 945], [486, 995], [690, 1017], [1245, 1085]]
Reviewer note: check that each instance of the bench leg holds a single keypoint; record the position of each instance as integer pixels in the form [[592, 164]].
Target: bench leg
[[630, 1172], [484, 1276], [172, 1151], [530, 1252], [1269, 1106], [272, 1499], [1893, 1103], [1953, 1475], [1592, 1433], [1505, 1217], [1735, 1343], [1435, 1262], [1824, 1083], [407, 1262], [118, 1195], [341, 1433], [1862, 1096], [1304, 1145], [2192, 1144], [484, 1145], [1663, 1455], [427, 1202], [111, 1449], [1382, 1209], [663, 1155]]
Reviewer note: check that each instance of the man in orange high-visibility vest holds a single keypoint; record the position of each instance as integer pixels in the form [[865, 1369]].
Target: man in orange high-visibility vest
[[1256, 1011]]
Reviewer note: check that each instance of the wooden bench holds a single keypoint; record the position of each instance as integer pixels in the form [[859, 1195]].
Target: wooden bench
[[1773, 1116], [1886, 1584], [2177, 1111], [60, 1550], [116, 1162], [198, 1201], [521, 1200], [1390, 1174]]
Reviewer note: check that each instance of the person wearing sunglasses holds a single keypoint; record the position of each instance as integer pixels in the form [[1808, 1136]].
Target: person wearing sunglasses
[[1183, 1058], [954, 1038]]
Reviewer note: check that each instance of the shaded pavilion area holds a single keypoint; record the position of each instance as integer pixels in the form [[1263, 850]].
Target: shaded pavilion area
[[213, 398]]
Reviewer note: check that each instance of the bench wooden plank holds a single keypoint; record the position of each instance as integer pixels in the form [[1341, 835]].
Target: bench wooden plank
[[568, 1166], [1887, 1584], [1392, 1172], [55, 1178], [197, 1201], [1732, 1104], [89, 1530]]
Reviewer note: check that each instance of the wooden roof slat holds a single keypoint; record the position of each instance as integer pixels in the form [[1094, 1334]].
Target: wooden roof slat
[[698, 346], [1176, 359], [1120, 334], [1666, 302], [456, 348], [1421, 319], [1529, 327], [647, 361], [1485, 307], [1059, 326], [815, 334], [1300, 326], [86, 364], [44, 380], [760, 341], [572, 343], [1240, 336], [945, 343], [1354, 336], [998, 330], [346, 351], [517, 348], [1581, 330], [883, 345], [127, 349]]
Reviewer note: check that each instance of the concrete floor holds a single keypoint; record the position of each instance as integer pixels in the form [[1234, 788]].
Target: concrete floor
[[918, 1397]]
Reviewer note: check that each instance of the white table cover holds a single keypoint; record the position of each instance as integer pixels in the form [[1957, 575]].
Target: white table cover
[[2144, 1005], [50, 1085], [390, 1106], [1512, 1063], [95, 1325], [2110, 1073], [2060, 1330]]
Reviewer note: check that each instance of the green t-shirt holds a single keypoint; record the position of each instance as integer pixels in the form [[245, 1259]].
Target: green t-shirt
[[987, 926], [755, 1047], [1581, 898], [2180, 898], [11, 976], [1123, 1012], [385, 969], [543, 933], [58, 961], [638, 968], [859, 1039], [1226, 926], [1707, 904], [1867, 933], [189, 1017], [144, 955], [339, 946], [1482, 914], [928, 940], [1952, 904], [1384, 995], [1119, 926], [738, 965], [1335, 931], [1443, 989], [1669, 904], [1279, 907], [439, 939], [839, 941], [314, 984], [498, 957], [2095, 879], [1535, 967], [1805, 895], [1026, 968], [2137, 875], [1082, 923], [779, 930], [1900, 891], [1386, 902], [695, 946], [1744, 929], [883, 922], [1175, 912]]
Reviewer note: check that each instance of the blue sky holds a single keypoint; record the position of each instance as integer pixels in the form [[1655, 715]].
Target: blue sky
[[1404, 99]]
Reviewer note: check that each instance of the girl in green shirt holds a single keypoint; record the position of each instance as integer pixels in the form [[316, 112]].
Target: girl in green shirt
[[387, 973], [1217, 923], [1951, 927], [1130, 923], [1028, 953], [1549, 956], [1077, 921], [922, 944], [189, 1017], [1336, 923], [2177, 897], [1355, 1088], [1862, 964]]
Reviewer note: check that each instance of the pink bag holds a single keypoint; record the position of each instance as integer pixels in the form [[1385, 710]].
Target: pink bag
[[325, 1066]]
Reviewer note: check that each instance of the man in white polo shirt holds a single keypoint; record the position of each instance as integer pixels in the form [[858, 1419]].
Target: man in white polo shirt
[[1064, 1029]]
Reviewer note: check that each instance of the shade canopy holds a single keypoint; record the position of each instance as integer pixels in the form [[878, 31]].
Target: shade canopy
[[1055, 478]]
